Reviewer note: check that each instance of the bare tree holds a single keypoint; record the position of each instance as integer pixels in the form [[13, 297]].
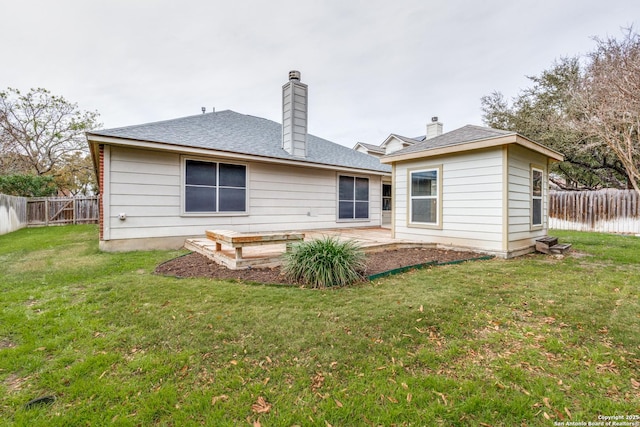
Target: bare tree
[[545, 113], [39, 130], [607, 100], [586, 107]]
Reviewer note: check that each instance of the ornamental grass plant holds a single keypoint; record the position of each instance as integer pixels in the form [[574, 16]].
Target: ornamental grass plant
[[325, 262]]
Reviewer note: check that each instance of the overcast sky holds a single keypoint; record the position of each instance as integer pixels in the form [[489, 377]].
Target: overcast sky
[[373, 67]]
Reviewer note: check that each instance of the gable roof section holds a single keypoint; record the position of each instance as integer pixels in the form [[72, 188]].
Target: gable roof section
[[231, 132], [403, 139], [369, 147], [467, 138]]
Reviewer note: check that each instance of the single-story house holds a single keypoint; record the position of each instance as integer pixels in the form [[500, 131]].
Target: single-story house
[[474, 187], [163, 182]]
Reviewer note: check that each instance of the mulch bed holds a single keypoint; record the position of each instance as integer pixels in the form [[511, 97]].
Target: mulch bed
[[196, 265]]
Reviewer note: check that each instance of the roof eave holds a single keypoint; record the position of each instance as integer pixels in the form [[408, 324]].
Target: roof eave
[[532, 145], [183, 149], [474, 145], [95, 157]]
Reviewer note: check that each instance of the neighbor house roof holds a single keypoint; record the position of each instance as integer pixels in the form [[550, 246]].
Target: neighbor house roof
[[231, 132], [369, 147], [404, 139], [464, 139]]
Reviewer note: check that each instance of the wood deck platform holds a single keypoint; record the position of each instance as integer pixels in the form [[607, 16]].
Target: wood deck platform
[[267, 251], [238, 241]]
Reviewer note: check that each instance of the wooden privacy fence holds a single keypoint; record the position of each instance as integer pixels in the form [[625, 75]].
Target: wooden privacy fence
[[608, 210], [62, 210]]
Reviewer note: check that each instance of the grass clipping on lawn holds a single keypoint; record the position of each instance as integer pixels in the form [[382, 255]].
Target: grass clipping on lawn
[[533, 341]]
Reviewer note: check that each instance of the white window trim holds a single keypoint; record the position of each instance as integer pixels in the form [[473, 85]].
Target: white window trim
[[368, 218], [541, 198], [183, 183], [437, 197]]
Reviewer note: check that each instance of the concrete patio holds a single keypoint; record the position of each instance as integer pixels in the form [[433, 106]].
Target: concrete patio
[[370, 239]]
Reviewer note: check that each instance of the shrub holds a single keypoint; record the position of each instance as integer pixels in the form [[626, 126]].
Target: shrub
[[325, 262], [25, 185]]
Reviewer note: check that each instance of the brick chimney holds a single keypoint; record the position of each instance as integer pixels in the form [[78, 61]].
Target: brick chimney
[[294, 116], [434, 128]]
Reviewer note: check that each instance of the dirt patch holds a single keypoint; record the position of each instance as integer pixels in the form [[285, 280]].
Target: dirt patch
[[196, 265], [6, 343], [13, 383]]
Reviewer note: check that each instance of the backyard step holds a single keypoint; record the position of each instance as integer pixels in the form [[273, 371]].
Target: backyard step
[[550, 245], [545, 243], [560, 248]]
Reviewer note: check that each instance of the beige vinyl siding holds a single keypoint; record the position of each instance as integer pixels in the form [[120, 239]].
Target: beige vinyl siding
[[147, 187], [393, 145], [521, 234], [471, 200], [285, 198], [144, 185]]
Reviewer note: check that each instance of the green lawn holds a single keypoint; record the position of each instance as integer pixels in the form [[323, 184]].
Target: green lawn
[[535, 341]]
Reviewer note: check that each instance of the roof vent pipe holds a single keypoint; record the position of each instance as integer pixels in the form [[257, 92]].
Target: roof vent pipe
[[294, 75]]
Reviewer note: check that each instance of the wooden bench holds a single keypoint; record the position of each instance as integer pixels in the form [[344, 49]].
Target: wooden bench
[[239, 240]]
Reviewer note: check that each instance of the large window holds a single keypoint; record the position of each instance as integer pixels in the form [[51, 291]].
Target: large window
[[536, 197], [424, 196], [214, 187], [353, 197]]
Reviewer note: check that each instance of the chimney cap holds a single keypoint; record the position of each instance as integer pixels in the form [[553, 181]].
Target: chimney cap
[[294, 75], [434, 119]]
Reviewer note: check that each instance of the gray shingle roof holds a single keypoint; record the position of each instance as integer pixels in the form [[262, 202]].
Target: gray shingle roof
[[239, 133], [462, 135]]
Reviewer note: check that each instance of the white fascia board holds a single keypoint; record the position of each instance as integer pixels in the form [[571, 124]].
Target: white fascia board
[[474, 145]]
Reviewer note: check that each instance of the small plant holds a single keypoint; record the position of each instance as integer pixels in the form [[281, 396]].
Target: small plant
[[325, 262]]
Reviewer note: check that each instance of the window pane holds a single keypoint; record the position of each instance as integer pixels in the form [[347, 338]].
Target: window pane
[[232, 200], [386, 203], [537, 183], [386, 190], [200, 199], [362, 189], [345, 191], [200, 173], [232, 175], [362, 209], [345, 210], [537, 212], [424, 183], [424, 210]]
